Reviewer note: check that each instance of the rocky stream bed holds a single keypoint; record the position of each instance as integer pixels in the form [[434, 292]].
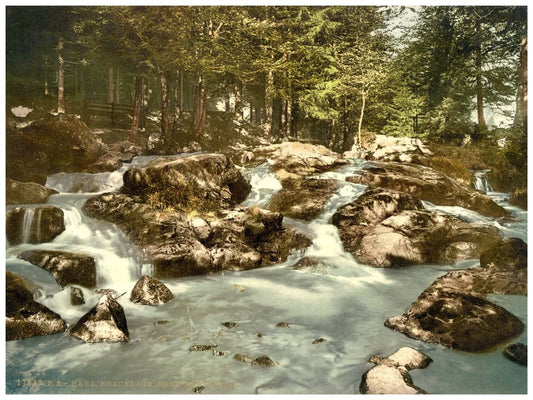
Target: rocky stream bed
[[290, 269]]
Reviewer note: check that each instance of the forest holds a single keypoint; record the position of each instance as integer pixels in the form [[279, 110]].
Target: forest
[[286, 194]]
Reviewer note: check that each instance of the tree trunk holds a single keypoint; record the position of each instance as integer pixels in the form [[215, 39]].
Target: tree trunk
[[359, 136], [521, 101], [479, 80], [200, 110], [61, 78], [269, 99], [164, 108], [283, 123], [333, 140], [110, 85], [227, 97], [238, 100], [346, 128], [46, 90], [257, 115], [177, 102], [117, 88], [137, 103]]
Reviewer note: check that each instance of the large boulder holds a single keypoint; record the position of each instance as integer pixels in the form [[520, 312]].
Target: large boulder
[[26, 192], [386, 229], [53, 144], [299, 159], [179, 245], [303, 199], [68, 268], [456, 320], [34, 225], [150, 291], [26, 317], [390, 375], [200, 182], [105, 322], [427, 184]]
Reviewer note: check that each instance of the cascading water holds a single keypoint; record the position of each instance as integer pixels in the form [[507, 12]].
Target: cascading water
[[26, 225], [345, 303], [481, 181]]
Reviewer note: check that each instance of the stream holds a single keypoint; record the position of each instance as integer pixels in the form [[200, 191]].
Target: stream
[[343, 302]]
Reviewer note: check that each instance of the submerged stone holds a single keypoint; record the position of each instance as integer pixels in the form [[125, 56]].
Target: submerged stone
[[264, 361], [516, 352]]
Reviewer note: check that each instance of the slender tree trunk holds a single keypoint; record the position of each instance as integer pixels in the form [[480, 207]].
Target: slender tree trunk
[[257, 115], [137, 103], [359, 135], [283, 124], [177, 102], [238, 100], [200, 109], [521, 101], [165, 134], [110, 85], [479, 80], [61, 78], [269, 99], [333, 139], [227, 97], [46, 89], [117, 88], [346, 128]]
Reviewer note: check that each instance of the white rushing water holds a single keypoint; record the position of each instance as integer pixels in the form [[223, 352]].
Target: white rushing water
[[344, 302]]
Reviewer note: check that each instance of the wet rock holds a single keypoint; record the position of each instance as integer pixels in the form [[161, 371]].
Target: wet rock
[[76, 296], [203, 347], [198, 389], [311, 264], [303, 199], [239, 239], [202, 182], [243, 358], [67, 268], [373, 206], [384, 379], [26, 192], [390, 375], [107, 292], [230, 324], [319, 340], [516, 352], [218, 353], [164, 322], [398, 233], [47, 222], [264, 361], [283, 325], [150, 291], [105, 322], [300, 158], [25, 317], [49, 145], [456, 320], [427, 184], [201, 229]]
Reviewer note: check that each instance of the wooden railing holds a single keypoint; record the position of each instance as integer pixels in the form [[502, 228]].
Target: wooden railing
[[112, 110]]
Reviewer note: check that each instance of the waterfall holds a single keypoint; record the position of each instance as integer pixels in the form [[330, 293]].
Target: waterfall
[[26, 225], [481, 181]]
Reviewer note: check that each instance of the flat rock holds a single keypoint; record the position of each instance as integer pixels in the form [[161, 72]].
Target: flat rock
[[456, 320], [384, 379], [105, 322], [150, 291], [66, 267]]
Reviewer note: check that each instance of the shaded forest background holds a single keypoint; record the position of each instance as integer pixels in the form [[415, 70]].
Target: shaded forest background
[[327, 74]]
